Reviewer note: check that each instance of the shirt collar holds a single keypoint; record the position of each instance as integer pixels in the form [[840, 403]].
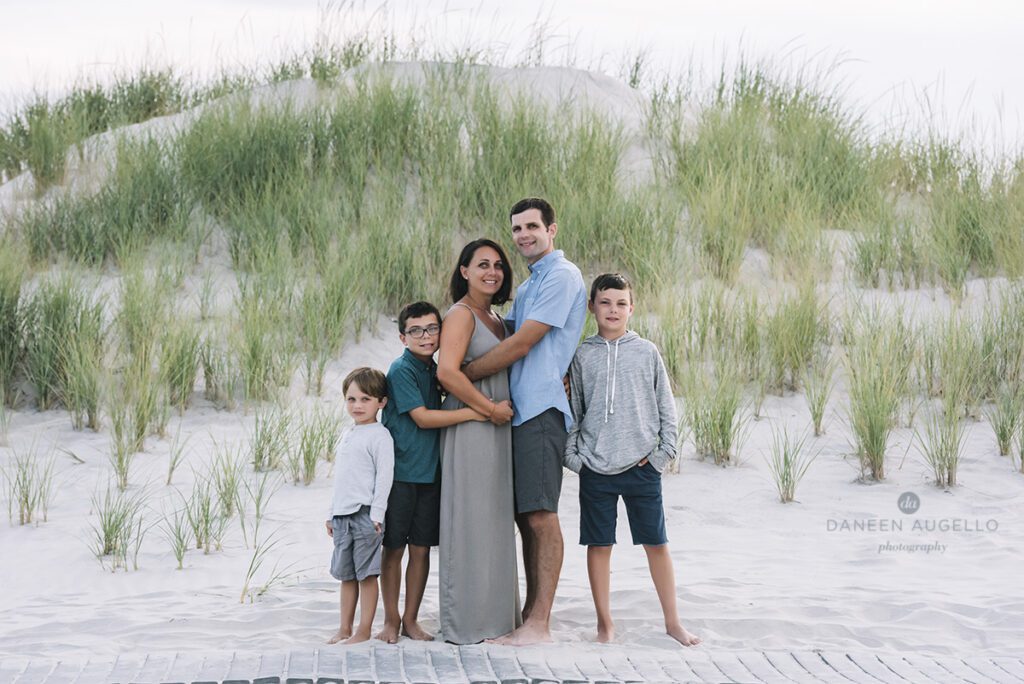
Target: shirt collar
[[546, 262], [412, 357]]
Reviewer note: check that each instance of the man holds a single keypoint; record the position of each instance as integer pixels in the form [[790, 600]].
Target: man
[[547, 318]]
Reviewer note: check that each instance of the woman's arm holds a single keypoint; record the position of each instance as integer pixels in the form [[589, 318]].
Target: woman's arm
[[455, 336]]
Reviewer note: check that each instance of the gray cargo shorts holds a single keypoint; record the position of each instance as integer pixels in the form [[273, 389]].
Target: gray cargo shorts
[[537, 448], [357, 546]]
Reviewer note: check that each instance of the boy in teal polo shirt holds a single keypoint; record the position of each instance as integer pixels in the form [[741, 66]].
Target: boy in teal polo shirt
[[413, 415]]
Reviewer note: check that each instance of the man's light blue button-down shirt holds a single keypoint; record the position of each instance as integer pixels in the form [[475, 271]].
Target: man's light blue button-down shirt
[[556, 296]]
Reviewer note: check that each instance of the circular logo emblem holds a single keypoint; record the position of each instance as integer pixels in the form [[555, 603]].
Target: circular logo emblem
[[908, 502]]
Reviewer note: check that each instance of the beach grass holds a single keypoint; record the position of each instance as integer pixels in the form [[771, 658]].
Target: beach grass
[[714, 410], [271, 441], [317, 439], [941, 443], [879, 354], [176, 532], [118, 532], [122, 437], [1005, 416], [29, 479], [84, 355], [227, 478], [818, 383], [339, 203], [57, 315], [13, 272], [788, 461], [176, 454], [221, 376], [796, 331], [201, 509], [179, 362]]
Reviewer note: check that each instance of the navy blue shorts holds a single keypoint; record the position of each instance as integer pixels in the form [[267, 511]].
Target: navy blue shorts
[[640, 489]]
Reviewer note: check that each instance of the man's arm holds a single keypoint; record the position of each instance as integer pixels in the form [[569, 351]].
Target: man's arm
[[508, 351]]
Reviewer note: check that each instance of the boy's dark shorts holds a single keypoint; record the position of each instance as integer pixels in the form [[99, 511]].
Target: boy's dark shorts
[[537, 448], [357, 546], [640, 488], [413, 515]]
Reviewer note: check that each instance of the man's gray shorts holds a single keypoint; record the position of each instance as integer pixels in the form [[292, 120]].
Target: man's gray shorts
[[357, 546], [537, 448]]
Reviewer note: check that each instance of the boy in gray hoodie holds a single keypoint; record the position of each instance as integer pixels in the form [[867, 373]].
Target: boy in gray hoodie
[[623, 437]]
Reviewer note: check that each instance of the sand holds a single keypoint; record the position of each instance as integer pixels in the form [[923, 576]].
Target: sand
[[841, 568]]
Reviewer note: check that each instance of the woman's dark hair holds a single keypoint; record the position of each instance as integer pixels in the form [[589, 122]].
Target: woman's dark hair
[[458, 287]]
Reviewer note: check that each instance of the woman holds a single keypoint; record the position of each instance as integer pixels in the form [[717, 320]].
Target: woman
[[479, 584]]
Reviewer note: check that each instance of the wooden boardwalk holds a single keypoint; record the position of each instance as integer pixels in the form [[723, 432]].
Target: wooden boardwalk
[[443, 664]]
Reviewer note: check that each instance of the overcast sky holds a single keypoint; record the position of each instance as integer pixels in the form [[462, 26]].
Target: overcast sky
[[962, 56]]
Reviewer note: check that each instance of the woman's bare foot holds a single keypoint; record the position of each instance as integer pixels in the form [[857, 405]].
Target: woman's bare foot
[[680, 634], [358, 638], [414, 631], [341, 635], [605, 634], [389, 634]]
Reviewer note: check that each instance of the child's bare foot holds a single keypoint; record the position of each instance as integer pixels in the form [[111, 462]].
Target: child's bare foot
[[679, 633], [389, 633], [358, 638], [341, 635], [414, 631], [605, 634]]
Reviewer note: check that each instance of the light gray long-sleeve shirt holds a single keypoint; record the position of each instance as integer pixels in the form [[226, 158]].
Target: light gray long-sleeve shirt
[[621, 399], [364, 466]]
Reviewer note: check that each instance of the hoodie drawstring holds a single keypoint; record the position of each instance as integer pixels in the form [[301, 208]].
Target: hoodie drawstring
[[610, 369]]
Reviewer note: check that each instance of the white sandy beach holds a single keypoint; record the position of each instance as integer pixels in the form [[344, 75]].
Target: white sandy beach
[[752, 573]]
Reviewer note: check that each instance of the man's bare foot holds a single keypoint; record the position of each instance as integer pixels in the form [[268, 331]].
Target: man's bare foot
[[525, 635], [680, 634], [389, 634], [605, 635], [414, 631], [358, 638], [340, 635]]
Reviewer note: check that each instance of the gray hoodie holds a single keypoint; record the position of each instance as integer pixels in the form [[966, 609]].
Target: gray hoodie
[[622, 404]]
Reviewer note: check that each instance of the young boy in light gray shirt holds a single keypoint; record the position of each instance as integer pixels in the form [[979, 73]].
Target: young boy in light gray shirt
[[623, 437], [363, 469]]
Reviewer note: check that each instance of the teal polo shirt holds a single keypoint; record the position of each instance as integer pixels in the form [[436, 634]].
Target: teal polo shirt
[[411, 384]]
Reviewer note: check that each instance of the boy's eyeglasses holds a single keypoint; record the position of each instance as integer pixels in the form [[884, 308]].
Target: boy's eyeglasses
[[420, 332]]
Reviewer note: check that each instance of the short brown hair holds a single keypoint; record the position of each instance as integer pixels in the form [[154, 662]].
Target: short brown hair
[[547, 212], [610, 281], [370, 380]]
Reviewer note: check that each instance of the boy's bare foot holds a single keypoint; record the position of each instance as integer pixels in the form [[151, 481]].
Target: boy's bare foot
[[605, 634], [524, 635], [389, 634], [358, 638], [414, 631], [680, 634], [341, 635]]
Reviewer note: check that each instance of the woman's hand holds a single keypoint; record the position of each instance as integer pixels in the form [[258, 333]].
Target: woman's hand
[[330, 529], [502, 412]]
